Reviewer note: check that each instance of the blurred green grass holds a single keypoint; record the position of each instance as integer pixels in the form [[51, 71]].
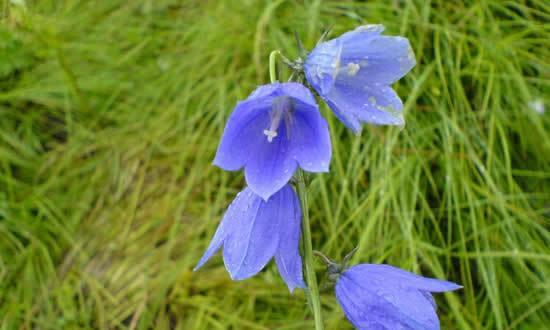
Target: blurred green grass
[[110, 113]]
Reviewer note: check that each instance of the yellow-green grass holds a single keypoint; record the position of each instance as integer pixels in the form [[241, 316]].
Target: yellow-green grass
[[110, 115]]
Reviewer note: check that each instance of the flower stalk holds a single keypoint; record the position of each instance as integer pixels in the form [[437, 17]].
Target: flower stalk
[[273, 65], [311, 279], [296, 66]]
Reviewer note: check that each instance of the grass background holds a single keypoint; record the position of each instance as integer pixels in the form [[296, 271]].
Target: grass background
[[111, 111]]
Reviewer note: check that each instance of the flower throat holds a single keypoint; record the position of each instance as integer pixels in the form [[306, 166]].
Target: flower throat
[[281, 109]]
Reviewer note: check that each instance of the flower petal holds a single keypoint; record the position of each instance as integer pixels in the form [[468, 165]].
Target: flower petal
[[278, 126], [389, 297], [288, 257], [255, 238], [242, 134], [410, 305], [310, 141], [352, 73], [322, 64], [382, 59], [365, 309], [227, 225], [244, 129], [265, 93], [402, 277], [378, 105], [271, 166], [430, 299], [352, 310], [299, 93], [360, 57]]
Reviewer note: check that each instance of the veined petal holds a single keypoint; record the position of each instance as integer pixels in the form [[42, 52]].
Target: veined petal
[[310, 141], [378, 105], [299, 93], [366, 310], [430, 299], [278, 127], [352, 73], [354, 313], [386, 297], [271, 165], [366, 32], [322, 65], [255, 238], [410, 305], [380, 59], [401, 277], [264, 93], [287, 256], [240, 207], [242, 134]]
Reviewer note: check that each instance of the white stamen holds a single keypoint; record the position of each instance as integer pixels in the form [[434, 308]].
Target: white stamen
[[280, 108], [270, 135], [353, 68]]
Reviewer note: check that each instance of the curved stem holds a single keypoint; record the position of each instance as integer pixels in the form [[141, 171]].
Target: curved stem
[[272, 65], [312, 287]]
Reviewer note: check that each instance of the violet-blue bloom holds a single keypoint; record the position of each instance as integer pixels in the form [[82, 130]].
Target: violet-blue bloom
[[277, 128], [353, 74], [384, 297], [253, 231]]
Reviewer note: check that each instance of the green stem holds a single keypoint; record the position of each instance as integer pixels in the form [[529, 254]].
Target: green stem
[[272, 65], [312, 290]]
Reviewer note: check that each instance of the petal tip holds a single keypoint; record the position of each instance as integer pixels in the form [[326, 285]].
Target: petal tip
[[199, 264], [242, 274], [455, 286], [264, 195], [218, 163], [260, 190], [293, 286]]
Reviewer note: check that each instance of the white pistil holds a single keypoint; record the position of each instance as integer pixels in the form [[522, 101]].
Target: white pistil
[[280, 108], [270, 135], [353, 68]]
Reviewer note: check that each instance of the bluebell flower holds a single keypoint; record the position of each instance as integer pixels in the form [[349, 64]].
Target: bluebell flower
[[253, 231], [383, 297], [275, 130], [353, 74]]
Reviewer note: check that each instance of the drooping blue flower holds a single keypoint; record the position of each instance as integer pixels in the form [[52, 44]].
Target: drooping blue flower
[[277, 128], [384, 297], [353, 74], [253, 231]]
